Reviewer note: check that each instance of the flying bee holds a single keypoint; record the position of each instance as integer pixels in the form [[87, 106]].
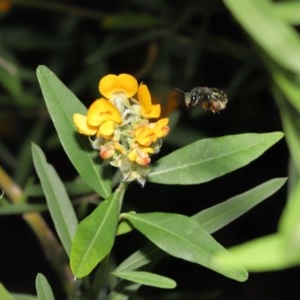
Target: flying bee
[[212, 99]]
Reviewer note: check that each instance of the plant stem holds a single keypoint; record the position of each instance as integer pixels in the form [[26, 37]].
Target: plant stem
[[52, 248]]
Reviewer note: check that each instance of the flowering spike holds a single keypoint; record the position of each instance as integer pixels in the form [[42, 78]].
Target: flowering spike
[[120, 124]]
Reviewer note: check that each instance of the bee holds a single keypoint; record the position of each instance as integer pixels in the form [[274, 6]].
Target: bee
[[212, 99]]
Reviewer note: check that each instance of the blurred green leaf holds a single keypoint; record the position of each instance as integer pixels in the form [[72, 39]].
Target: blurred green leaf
[[9, 79], [4, 294], [289, 86], [62, 104], [291, 125], [147, 278], [43, 288], [21, 208], [288, 11], [289, 224], [273, 34], [60, 206], [267, 253], [24, 161], [184, 238], [127, 21], [24, 297], [210, 158], [95, 236], [221, 214], [75, 187]]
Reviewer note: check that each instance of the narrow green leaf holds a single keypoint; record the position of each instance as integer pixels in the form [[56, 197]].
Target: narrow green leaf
[[139, 258], [211, 219], [21, 208], [210, 158], [289, 223], [59, 203], [221, 214], [267, 253], [291, 125], [24, 297], [95, 236], [62, 104], [274, 35], [4, 294], [147, 278], [43, 288], [184, 238]]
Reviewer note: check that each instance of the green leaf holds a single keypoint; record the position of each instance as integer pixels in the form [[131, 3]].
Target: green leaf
[[4, 294], [184, 238], [59, 204], [288, 11], [289, 223], [10, 79], [267, 253], [147, 278], [210, 158], [43, 288], [291, 124], [24, 297], [62, 104], [21, 208], [221, 214], [211, 219], [95, 236], [141, 257], [274, 35]]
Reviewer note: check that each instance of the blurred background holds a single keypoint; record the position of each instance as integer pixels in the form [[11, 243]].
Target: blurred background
[[167, 45]]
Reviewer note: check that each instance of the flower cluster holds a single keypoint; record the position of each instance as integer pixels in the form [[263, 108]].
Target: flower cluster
[[123, 126]]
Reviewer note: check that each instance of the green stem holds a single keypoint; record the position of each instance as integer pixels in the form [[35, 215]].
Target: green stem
[[52, 248]]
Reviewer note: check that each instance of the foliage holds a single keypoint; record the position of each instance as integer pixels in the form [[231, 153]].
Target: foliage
[[80, 209]]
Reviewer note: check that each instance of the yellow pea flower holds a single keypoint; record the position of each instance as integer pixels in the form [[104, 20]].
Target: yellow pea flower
[[113, 84]]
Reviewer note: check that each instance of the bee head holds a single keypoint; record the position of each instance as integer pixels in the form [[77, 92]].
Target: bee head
[[187, 97]]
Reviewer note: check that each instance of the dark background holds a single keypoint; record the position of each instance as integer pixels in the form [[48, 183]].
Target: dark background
[[190, 43]]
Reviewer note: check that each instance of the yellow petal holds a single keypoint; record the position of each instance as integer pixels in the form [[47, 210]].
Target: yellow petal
[[149, 110], [123, 83], [82, 126], [106, 130], [160, 127], [128, 84], [144, 136], [101, 110], [144, 98], [132, 155], [154, 113], [107, 85]]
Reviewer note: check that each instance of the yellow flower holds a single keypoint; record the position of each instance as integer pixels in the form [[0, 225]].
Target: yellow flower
[[145, 136], [100, 119], [149, 110], [112, 84], [120, 122], [139, 156], [161, 128]]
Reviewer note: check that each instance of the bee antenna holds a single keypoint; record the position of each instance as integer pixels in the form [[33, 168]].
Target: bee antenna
[[179, 90]]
